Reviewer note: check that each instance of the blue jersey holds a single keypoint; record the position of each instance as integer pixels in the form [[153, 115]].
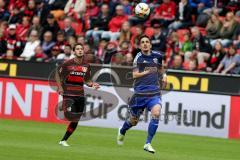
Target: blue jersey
[[148, 84]]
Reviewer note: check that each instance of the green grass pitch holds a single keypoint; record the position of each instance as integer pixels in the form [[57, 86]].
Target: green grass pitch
[[23, 140]]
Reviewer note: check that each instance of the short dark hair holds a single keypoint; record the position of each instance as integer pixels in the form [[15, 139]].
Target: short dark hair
[[78, 44], [144, 36]]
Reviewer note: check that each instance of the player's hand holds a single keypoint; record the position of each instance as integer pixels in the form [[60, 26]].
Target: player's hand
[[60, 90], [95, 85], [164, 82]]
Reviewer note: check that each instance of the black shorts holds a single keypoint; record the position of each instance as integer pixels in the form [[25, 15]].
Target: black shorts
[[73, 107]]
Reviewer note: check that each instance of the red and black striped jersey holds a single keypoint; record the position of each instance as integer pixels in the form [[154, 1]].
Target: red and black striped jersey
[[72, 76]]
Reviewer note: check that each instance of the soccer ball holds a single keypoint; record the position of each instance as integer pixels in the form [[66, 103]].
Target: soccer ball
[[142, 10]]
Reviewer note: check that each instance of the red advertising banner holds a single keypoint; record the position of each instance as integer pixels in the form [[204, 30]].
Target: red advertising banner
[[27, 100], [234, 123]]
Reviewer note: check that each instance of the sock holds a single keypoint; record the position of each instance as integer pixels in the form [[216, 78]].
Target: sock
[[71, 128], [152, 128], [125, 127]]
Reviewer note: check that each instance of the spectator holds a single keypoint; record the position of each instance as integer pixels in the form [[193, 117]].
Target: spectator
[[136, 36], [9, 55], [72, 41], [158, 39], [201, 47], [30, 11], [100, 53], [125, 48], [128, 60], [111, 50], [193, 65], [237, 30], [230, 63], [125, 33], [66, 54], [12, 42], [173, 44], [81, 39], [4, 14], [127, 8], [3, 28], [39, 54], [183, 17], [187, 45], [22, 29], [15, 16], [21, 4], [227, 30], [35, 25], [117, 59], [200, 5], [229, 26], [90, 58], [216, 57], [47, 42], [92, 9], [33, 42], [68, 30], [177, 62], [87, 48], [99, 25], [61, 42], [42, 11], [55, 51], [165, 13], [213, 27], [75, 8], [51, 25], [115, 24]]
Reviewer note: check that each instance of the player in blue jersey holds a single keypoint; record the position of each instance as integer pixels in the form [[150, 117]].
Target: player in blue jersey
[[148, 77]]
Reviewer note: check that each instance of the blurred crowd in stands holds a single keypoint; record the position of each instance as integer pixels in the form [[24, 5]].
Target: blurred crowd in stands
[[195, 35]]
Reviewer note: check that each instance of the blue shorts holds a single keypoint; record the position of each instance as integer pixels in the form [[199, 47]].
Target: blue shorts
[[137, 104]]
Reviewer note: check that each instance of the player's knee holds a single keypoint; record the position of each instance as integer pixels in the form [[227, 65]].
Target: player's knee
[[133, 121], [156, 114]]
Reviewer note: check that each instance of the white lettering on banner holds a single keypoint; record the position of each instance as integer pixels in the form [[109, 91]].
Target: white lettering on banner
[[1, 91], [45, 90], [12, 93], [193, 113]]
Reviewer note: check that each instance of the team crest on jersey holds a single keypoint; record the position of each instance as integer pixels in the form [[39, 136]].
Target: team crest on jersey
[[155, 60], [84, 69]]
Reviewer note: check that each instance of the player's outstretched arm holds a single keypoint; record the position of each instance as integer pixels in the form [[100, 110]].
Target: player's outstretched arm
[[92, 84]]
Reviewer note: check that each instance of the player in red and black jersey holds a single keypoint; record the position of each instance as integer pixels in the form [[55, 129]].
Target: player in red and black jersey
[[71, 77]]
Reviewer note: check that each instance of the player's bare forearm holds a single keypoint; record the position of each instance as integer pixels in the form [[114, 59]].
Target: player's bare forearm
[[137, 74], [163, 81], [58, 81]]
